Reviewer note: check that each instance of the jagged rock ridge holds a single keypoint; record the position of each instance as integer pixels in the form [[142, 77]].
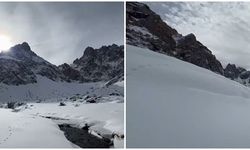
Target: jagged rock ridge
[[238, 74], [146, 29], [20, 65], [101, 64]]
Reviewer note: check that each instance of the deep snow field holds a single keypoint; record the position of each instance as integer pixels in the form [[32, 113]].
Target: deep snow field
[[171, 103], [35, 124]]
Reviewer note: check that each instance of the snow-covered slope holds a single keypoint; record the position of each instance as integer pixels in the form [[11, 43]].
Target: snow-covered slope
[[171, 103], [46, 89]]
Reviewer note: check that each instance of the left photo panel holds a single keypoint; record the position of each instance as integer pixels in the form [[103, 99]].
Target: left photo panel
[[62, 75]]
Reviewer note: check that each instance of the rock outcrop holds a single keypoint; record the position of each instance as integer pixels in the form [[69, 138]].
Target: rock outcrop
[[146, 29]]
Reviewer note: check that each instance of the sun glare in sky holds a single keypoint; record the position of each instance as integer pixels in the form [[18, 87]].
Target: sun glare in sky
[[5, 42]]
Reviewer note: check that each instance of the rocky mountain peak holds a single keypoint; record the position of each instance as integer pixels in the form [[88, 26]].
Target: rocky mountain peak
[[89, 51], [21, 48], [237, 73], [23, 52], [100, 64], [24, 46], [146, 29], [20, 65]]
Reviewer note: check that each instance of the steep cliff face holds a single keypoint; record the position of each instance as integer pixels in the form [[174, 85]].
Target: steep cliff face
[[146, 29]]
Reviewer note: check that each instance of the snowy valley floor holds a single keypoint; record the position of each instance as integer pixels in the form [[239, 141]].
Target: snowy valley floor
[[32, 128], [171, 103], [40, 108]]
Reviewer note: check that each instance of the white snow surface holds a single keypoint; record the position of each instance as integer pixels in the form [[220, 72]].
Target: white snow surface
[[48, 89], [171, 103], [142, 30], [28, 126], [30, 129], [19, 130], [103, 116]]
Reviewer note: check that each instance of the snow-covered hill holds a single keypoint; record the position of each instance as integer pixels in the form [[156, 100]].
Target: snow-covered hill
[[172, 103]]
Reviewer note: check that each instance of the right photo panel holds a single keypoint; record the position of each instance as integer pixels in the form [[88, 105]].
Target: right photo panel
[[188, 74]]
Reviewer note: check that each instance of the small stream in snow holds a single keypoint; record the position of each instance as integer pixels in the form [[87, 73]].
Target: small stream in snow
[[82, 137]]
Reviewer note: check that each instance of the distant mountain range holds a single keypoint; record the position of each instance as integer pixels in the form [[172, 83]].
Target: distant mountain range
[[146, 29], [20, 65]]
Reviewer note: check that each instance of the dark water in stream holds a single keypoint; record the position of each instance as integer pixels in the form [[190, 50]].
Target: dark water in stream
[[83, 138]]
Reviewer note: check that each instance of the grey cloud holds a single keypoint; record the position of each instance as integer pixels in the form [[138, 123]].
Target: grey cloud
[[59, 32], [224, 27]]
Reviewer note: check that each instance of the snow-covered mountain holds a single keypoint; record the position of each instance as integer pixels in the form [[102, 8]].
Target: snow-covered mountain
[[24, 76], [146, 29], [172, 103], [20, 65]]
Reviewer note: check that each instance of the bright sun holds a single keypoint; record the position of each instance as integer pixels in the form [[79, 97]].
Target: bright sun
[[5, 43]]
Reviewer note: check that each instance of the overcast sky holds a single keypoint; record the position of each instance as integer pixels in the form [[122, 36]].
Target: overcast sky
[[224, 27], [59, 32]]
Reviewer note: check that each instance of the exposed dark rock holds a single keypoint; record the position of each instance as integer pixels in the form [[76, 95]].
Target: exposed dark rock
[[62, 104], [69, 72], [238, 74], [146, 29], [233, 72], [92, 100], [245, 75], [86, 127], [101, 64], [13, 105]]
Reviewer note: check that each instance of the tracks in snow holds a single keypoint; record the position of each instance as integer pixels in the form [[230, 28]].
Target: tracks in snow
[[8, 136]]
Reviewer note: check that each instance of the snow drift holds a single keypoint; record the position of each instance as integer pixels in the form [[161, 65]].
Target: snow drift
[[171, 103]]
